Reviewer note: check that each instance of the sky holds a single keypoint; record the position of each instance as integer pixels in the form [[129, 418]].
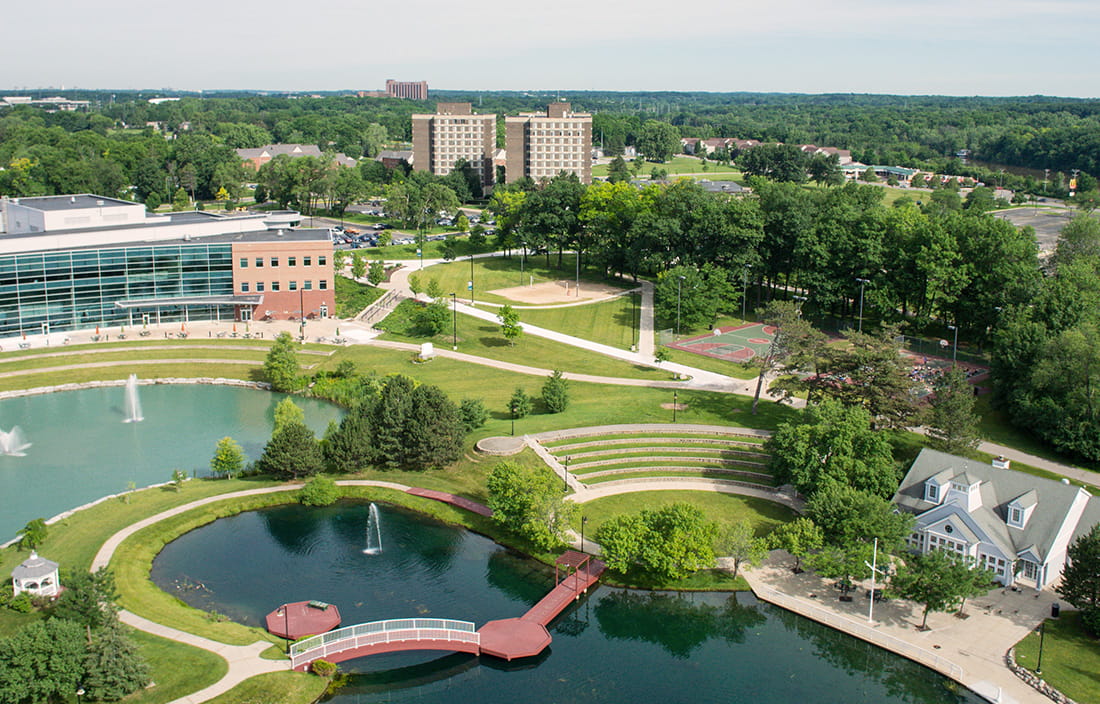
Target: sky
[[950, 47]]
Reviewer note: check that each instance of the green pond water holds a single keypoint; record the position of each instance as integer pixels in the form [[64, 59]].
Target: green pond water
[[616, 646], [82, 450]]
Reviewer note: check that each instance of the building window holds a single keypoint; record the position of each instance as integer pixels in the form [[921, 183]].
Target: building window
[[307, 261], [259, 287], [307, 285], [274, 285], [274, 261], [323, 284], [244, 262], [259, 262], [244, 287], [1016, 516], [292, 261], [322, 260], [932, 492], [293, 285]]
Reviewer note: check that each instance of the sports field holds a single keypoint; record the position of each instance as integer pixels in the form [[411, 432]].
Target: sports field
[[732, 344]]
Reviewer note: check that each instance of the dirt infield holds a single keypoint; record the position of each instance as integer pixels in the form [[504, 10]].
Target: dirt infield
[[563, 291]]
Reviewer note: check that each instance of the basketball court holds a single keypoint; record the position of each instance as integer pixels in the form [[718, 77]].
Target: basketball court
[[732, 344]]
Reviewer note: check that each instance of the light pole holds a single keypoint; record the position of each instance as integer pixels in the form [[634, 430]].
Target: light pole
[[1042, 637], [955, 345], [634, 321], [578, 270], [873, 564], [522, 260], [79, 694], [584, 522], [302, 313], [675, 403], [454, 321], [744, 289], [679, 285], [471, 284], [801, 300], [513, 409], [420, 253], [862, 283]]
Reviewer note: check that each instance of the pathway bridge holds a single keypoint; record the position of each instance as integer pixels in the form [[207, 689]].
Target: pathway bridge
[[386, 637]]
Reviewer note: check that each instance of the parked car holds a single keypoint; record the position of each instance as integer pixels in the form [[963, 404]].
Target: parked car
[[351, 231]]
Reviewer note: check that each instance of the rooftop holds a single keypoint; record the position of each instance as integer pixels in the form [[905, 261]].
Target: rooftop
[[71, 202]]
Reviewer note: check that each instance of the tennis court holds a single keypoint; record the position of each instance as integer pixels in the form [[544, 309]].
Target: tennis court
[[732, 344]]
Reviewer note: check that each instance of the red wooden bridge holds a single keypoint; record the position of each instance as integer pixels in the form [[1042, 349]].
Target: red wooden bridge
[[508, 638]]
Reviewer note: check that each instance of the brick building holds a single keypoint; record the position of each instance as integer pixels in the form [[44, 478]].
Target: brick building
[[454, 132], [417, 90], [542, 145]]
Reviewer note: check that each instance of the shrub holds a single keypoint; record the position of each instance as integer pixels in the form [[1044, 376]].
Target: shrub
[[323, 668], [21, 604], [319, 491]]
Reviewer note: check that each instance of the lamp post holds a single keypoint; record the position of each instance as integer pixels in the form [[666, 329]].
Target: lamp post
[[675, 403], [454, 321], [79, 694], [522, 260], [420, 253], [584, 522], [513, 409], [286, 626], [679, 286], [955, 345], [1042, 637], [744, 289], [862, 283], [634, 321], [578, 287], [302, 313], [470, 285], [801, 300]]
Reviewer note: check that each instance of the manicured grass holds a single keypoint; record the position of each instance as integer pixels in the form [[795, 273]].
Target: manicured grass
[[494, 273], [1071, 657], [177, 669], [616, 462], [764, 516], [123, 355], [483, 338], [352, 297], [593, 449], [432, 249], [283, 687], [679, 164], [613, 323], [996, 427], [675, 473], [663, 437]]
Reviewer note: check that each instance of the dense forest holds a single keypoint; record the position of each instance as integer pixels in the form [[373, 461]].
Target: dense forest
[[110, 148]]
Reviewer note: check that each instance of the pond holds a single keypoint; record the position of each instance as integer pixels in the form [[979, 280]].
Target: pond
[[614, 646], [80, 448]]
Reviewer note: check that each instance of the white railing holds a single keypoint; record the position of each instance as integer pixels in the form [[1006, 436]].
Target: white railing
[[862, 631], [390, 631]]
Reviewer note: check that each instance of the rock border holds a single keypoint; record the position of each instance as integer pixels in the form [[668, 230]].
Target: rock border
[[1035, 681], [107, 383]]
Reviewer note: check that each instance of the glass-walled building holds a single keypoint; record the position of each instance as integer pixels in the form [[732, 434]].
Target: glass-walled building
[[149, 269]]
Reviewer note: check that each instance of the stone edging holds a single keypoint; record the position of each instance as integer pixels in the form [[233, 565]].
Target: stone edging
[[1035, 681], [214, 381]]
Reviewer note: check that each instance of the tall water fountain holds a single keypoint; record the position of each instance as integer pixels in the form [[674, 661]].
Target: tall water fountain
[[13, 442], [374, 532], [133, 403]]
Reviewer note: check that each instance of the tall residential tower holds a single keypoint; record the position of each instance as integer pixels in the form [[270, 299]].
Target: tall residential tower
[[454, 132], [542, 145]]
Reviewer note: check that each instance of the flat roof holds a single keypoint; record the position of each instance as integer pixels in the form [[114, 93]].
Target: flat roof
[[80, 201], [288, 235]]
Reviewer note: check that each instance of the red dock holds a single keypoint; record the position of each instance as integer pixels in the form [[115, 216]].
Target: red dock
[[525, 636], [302, 618]]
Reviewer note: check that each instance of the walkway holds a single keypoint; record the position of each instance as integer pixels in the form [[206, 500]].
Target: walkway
[[970, 651]]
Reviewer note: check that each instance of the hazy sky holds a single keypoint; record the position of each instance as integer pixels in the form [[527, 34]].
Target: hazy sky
[[957, 47]]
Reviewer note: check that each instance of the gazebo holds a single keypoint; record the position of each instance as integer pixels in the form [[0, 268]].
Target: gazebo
[[36, 576]]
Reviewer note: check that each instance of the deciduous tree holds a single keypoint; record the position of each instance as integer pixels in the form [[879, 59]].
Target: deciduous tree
[[530, 502], [228, 459], [281, 364]]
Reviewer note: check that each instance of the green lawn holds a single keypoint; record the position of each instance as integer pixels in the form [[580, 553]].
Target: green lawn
[[996, 427], [284, 687], [432, 250], [764, 516], [490, 274], [483, 338], [1071, 657], [679, 164], [613, 323], [177, 669], [707, 474]]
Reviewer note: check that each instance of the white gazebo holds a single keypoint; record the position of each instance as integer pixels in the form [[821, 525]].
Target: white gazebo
[[37, 576]]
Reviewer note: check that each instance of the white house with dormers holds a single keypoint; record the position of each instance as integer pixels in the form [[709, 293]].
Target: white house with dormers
[[1016, 524]]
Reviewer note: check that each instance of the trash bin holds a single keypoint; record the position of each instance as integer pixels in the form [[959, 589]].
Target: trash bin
[[1055, 609]]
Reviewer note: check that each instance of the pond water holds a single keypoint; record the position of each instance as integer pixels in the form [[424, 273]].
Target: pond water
[[82, 450], [614, 646]]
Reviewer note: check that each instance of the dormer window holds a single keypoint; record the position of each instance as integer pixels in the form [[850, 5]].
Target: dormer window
[[1016, 517], [932, 492]]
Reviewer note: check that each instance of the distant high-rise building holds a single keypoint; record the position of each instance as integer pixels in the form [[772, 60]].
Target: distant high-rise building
[[454, 132], [417, 90], [542, 145]]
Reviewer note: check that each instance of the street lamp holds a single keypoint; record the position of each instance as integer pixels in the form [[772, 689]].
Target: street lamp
[[675, 403], [679, 285], [513, 409], [862, 283], [471, 284], [744, 289], [302, 313], [1042, 637], [955, 345], [454, 321], [584, 522], [522, 260], [801, 300], [79, 694], [420, 253]]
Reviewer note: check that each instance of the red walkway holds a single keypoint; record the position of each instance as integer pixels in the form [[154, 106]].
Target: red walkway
[[475, 507]]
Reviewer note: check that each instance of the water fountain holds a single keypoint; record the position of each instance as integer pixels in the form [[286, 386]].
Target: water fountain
[[13, 442], [133, 403], [374, 532]]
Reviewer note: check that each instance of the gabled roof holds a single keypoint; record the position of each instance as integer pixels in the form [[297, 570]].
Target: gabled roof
[[1028, 498], [999, 487], [34, 567]]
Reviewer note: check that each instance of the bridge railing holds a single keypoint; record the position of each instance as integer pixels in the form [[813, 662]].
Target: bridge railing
[[389, 631]]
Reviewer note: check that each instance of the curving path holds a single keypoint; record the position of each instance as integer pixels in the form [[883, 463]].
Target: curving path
[[146, 348]]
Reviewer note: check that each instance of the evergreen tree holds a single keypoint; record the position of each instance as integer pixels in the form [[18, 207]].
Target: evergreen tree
[[473, 413], [1081, 578], [112, 664], [348, 449], [291, 453], [953, 424], [520, 404], [389, 422], [618, 171], [88, 599], [281, 364], [555, 392], [434, 431]]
